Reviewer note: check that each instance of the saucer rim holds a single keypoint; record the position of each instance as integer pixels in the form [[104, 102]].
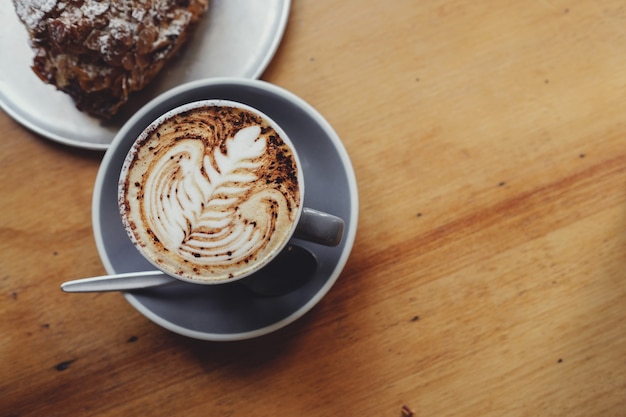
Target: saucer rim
[[350, 236]]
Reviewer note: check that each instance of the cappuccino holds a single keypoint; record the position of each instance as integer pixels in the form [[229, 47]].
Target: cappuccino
[[211, 191]]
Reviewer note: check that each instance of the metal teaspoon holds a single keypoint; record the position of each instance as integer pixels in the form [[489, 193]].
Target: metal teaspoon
[[119, 282], [291, 269]]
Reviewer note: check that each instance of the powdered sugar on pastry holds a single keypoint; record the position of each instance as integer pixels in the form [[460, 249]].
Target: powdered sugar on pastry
[[101, 51]]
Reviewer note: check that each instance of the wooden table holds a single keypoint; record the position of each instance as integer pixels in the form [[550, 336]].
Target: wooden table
[[488, 277]]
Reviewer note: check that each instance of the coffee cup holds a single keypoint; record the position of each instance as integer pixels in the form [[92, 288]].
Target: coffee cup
[[213, 190]]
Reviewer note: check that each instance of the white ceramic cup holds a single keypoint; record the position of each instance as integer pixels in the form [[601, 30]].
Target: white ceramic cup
[[304, 223]]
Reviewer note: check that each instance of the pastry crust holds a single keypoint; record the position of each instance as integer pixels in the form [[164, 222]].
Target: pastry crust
[[100, 51]]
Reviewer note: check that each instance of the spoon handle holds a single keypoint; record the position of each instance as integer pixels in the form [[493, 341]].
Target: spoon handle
[[119, 282]]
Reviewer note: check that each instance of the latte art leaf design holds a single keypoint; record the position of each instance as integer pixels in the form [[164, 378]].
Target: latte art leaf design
[[210, 193], [203, 204]]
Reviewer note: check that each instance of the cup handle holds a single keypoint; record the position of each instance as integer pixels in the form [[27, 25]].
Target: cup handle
[[319, 227]]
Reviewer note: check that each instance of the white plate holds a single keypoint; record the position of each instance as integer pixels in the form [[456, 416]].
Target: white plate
[[237, 38]]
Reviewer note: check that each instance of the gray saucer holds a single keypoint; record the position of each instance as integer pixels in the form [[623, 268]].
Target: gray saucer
[[231, 311]]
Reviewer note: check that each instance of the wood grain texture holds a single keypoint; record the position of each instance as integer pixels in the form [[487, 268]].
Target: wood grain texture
[[488, 277]]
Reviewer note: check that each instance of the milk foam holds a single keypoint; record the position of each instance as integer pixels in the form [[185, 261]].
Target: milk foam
[[210, 192]]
